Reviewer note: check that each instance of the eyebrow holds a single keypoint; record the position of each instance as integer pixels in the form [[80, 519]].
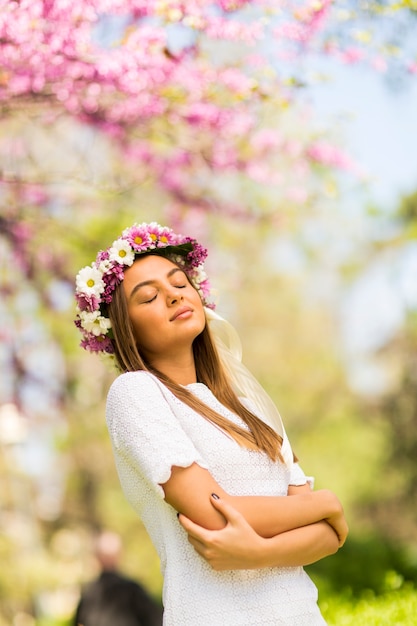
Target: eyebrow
[[153, 281]]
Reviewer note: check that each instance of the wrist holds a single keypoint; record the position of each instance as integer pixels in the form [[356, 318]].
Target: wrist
[[257, 553], [268, 551], [331, 504]]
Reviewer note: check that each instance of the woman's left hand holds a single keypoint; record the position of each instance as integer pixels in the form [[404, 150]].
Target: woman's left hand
[[236, 546]]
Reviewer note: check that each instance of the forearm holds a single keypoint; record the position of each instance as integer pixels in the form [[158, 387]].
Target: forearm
[[301, 546], [238, 546], [270, 516], [189, 489]]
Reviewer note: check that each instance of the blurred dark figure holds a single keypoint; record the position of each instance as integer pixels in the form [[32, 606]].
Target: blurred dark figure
[[113, 599]]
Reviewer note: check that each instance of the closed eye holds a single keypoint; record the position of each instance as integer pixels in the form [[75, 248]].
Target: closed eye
[[151, 300]]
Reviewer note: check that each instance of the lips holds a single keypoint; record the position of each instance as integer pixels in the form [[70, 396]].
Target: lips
[[181, 312]]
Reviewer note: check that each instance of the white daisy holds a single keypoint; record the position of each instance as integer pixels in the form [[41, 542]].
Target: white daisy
[[94, 322], [121, 252], [89, 281], [105, 266]]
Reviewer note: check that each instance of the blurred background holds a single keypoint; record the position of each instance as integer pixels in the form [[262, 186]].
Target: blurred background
[[283, 137]]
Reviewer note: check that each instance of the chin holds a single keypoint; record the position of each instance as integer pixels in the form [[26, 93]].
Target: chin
[[197, 328]]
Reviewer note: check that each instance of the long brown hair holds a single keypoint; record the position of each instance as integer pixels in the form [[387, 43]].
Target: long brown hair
[[209, 371]]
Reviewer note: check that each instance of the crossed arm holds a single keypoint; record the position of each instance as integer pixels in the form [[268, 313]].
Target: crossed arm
[[243, 532]]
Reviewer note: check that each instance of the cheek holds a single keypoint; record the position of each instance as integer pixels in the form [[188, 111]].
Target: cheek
[[147, 338], [142, 325]]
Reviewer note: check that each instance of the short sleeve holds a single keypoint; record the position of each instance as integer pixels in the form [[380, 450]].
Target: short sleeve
[[144, 430], [297, 477]]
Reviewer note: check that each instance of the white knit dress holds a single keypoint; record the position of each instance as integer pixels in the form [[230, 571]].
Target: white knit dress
[[151, 431]]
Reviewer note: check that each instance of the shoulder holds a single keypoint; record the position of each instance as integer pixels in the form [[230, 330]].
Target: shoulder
[[135, 391], [133, 382], [134, 408]]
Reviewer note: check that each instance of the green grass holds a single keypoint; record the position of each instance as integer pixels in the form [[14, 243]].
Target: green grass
[[395, 608]]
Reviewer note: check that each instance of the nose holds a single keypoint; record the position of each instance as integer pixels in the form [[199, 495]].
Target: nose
[[174, 296]]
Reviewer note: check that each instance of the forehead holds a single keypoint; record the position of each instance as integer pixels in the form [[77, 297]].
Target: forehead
[[147, 268]]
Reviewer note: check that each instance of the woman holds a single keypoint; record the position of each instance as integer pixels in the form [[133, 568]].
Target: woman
[[185, 442]]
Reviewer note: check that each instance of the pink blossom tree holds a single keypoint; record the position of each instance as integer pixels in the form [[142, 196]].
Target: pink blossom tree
[[202, 101], [149, 75]]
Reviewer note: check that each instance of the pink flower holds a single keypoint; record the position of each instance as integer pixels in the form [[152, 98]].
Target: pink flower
[[233, 5], [326, 154], [97, 344], [36, 194], [292, 31], [352, 55], [114, 275], [165, 238], [139, 238], [198, 254], [103, 255], [87, 302]]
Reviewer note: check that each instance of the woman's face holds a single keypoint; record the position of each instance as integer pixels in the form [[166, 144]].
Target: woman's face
[[165, 310]]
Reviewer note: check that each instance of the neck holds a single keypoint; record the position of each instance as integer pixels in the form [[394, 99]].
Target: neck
[[180, 370]]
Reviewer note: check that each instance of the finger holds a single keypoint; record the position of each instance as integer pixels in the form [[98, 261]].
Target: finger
[[198, 546], [228, 511], [192, 529]]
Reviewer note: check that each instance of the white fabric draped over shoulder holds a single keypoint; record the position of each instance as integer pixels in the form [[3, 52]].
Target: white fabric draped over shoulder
[[245, 384]]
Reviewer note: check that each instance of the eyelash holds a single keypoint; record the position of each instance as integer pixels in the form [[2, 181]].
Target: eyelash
[[154, 297]]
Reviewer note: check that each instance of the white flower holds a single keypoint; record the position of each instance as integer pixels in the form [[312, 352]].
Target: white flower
[[104, 266], [94, 323], [199, 275], [121, 252], [89, 281]]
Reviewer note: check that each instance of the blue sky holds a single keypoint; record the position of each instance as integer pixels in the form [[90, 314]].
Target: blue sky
[[379, 123], [379, 128]]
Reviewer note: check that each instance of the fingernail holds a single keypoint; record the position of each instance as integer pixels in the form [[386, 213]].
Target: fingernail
[[215, 496]]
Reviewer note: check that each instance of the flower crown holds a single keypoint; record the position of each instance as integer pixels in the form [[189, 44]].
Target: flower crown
[[96, 283]]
